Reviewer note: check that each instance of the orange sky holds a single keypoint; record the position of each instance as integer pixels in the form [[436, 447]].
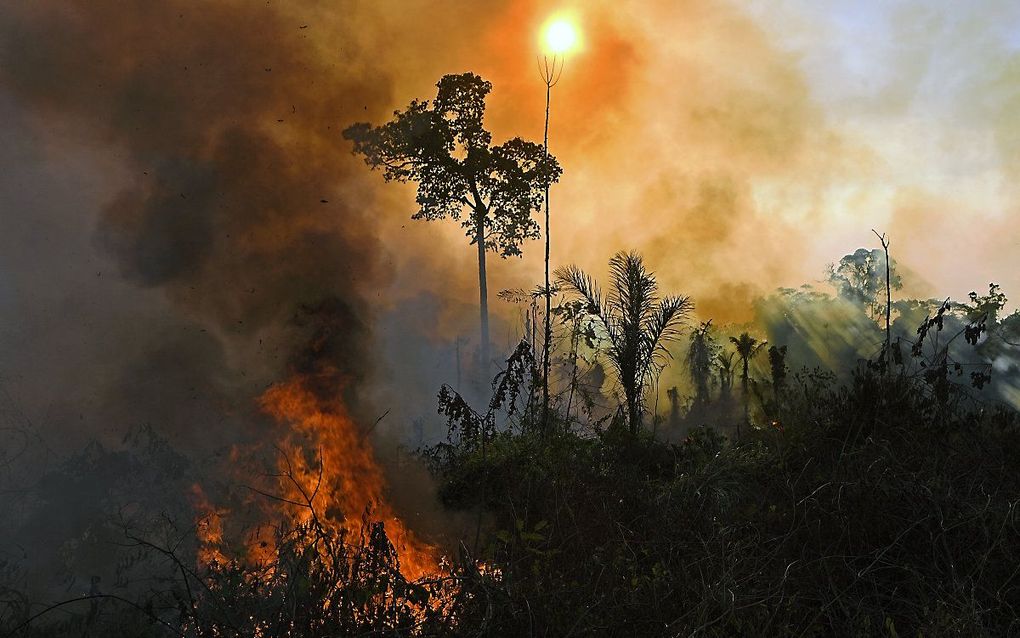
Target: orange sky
[[718, 139]]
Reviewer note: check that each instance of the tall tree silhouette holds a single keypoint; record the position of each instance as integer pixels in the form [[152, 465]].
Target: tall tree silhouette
[[636, 323], [747, 346], [445, 149], [777, 365]]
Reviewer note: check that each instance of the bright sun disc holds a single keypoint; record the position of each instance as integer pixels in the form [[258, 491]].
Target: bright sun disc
[[560, 36]]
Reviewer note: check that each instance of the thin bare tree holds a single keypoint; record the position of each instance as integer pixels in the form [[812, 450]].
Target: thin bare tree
[[887, 353], [550, 72]]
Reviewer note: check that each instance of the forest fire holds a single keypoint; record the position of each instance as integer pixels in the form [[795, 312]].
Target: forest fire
[[327, 471], [208, 528], [678, 327], [345, 482]]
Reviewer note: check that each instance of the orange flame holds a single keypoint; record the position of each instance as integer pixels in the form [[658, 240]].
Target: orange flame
[[209, 528], [326, 466], [345, 482]]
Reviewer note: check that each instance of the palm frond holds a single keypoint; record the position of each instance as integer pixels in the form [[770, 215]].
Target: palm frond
[[573, 278], [664, 326], [634, 289], [747, 346]]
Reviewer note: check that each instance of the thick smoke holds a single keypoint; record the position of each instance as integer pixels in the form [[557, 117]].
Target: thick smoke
[[181, 228], [232, 197]]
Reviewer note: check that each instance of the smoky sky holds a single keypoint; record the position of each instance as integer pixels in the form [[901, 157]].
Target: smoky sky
[[179, 208], [176, 217]]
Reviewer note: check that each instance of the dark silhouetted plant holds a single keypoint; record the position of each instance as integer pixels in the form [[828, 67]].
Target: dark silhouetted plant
[[701, 355], [635, 322], [747, 346], [724, 367]]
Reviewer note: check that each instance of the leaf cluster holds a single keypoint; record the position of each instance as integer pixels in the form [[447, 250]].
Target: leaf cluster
[[444, 148]]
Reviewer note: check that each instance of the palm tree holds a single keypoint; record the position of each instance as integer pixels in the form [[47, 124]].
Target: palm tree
[[634, 320], [700, 356], [747, 347], [725, 362]]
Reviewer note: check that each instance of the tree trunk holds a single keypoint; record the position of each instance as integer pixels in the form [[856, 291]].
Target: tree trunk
[[888, 303], [483, 294], [743, 388], [547, 335], [633, 406], [888, 307]]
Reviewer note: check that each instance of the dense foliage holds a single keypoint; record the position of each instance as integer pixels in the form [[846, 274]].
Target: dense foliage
[[870, 511]]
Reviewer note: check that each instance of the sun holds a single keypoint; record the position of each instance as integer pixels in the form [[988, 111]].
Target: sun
[[560, 36]]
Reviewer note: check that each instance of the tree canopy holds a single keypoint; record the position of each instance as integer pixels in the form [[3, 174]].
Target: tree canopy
[[860, 277], [445, 149]]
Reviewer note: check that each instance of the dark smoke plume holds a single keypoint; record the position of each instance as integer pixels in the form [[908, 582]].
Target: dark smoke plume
[[224, 119]]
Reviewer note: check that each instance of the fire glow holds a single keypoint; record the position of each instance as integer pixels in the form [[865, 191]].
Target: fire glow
[[341, 484]]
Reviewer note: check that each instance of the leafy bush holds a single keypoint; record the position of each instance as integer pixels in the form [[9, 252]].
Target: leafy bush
[[870, 510]]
